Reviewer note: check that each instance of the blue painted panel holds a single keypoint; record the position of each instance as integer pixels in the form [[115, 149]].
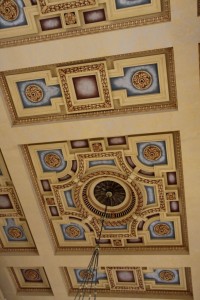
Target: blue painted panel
[[11, 226], [150, 194], [20, 20], [130, 3], [122, 227], [95, 163], [161, 161], [154, 235], [45, 167], [69, 238], [155, 276], [100, 276], [69, 199], [125, 82], [49, 92]]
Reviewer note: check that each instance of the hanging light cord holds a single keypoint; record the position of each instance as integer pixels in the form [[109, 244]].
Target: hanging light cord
[[90, 274]]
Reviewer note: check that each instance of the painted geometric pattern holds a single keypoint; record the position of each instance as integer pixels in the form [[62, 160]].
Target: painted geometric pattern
[[116, 281], [30, 280], [144, 175], [136, 82], [28, 21], [14, 231]]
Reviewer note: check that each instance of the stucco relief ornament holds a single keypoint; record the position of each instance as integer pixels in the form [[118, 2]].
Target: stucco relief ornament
[[166, 275], [52, 160], [142, 80], [73, 231], [32, 275], [97, 147], [70, 18], [117, 243], [34, 93], [171, 196], [9, 10], [86, 274], [152, 152], [15, 233], [162, 229]]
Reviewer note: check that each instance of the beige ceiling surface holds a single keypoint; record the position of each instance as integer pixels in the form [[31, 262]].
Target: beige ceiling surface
[[43, 231]]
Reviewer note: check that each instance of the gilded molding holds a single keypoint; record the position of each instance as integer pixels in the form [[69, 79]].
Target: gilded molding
[[163, 16], [138, 288], [41, 288], [15, 235], [85, 113], [82, 181]]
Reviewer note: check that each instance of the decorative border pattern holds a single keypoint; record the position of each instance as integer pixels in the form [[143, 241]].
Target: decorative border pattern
[[136, 292], [15, 235], [45, 8], [43, 288], [101, 69], [175, 249], [138, 108], [163, 16]]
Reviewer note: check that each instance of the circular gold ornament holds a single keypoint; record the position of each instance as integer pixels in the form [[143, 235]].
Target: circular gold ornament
[[152, 152], [70, 18], [52, 160], [86, 274], [32, 275], [166, 275], [15, 233], [162, 229], [73, 231], [9, 10], [142, 80], [34, 93]]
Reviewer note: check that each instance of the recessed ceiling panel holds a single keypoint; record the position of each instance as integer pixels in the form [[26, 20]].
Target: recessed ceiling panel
[[142, 173], [132, 281], [134, 82], [29, 21], [15, 234], [30, 280]]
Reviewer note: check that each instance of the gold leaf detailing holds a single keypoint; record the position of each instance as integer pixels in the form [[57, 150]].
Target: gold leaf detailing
[[162, 229], [15, 233], [73, 231], [166, 275], [9, 10], [52, 160], [152, 152], [34, 93], [142, 80]]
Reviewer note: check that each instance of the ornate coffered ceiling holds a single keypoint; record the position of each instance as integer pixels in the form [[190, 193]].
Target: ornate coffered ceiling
[[134, 82], [15, 234], [135, 280], [144, 175], [32, 21], [107, 111]]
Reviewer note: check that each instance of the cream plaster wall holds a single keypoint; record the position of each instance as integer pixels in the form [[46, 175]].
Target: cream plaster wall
[[183, 34]]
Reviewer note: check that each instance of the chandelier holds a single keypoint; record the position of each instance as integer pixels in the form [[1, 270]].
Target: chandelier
[[109, 195]]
